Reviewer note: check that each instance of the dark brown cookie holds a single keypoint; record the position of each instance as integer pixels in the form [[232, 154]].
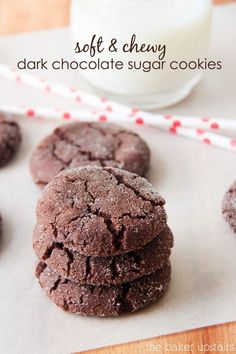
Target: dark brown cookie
[[113, 300], [229, 207], [10, 138], [0, 225], [108, 270], [99, 211], [94, 144]]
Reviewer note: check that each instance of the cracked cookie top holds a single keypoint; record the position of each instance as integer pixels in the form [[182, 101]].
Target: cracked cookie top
[[229, 207], [94, 144], [105, 270], [10, 139], [100, 211], [100, 300]]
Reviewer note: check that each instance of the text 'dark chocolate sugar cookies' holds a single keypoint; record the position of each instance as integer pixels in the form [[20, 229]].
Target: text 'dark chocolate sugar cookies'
[[93, 144], [102, 241]]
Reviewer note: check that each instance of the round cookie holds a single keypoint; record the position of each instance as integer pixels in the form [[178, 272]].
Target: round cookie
[[99, 211], [113, 300], [229, 207], [94, 144], [10, 138], [107, 270], [0, 225]]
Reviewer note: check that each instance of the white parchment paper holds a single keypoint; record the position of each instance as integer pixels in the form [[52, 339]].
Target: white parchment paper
[[192, 178]]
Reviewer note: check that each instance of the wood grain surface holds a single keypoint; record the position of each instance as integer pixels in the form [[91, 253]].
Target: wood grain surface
[[29, 15], [214, 339]]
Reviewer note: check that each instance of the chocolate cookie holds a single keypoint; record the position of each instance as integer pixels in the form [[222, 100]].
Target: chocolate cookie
[[107, 270], [113, 300], [0, 225], [93, 144], [10, 139], [229, 207], [99, 211]]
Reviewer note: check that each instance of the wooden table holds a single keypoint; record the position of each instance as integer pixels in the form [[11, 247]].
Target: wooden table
[[27, 15], [189, 342]]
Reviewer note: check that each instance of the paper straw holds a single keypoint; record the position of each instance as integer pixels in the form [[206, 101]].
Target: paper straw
[[83, 114], [205, 123], [203, 136], [59, 90], [103, 104]]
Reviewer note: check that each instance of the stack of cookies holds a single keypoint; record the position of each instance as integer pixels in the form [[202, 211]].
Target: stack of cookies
[[102, 242]]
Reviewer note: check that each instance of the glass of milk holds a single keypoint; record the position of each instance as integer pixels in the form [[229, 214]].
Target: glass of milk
[[182, 26]]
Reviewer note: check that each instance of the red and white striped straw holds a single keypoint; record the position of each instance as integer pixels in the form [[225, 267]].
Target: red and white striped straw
[[104, 104], [103, 109], [204, 136]]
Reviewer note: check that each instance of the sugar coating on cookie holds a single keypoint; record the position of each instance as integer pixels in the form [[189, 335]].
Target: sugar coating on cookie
[[99, 211], [102, 300], [94, 144], [10, 138], [229, 207], [106, 270]]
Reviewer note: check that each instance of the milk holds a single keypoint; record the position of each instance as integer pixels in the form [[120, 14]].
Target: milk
[[182, 25]]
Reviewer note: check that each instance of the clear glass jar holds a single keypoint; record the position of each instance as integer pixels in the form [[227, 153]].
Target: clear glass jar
[[182, 25]]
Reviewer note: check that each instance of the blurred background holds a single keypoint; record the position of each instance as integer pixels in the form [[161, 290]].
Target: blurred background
[[29, 15]]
